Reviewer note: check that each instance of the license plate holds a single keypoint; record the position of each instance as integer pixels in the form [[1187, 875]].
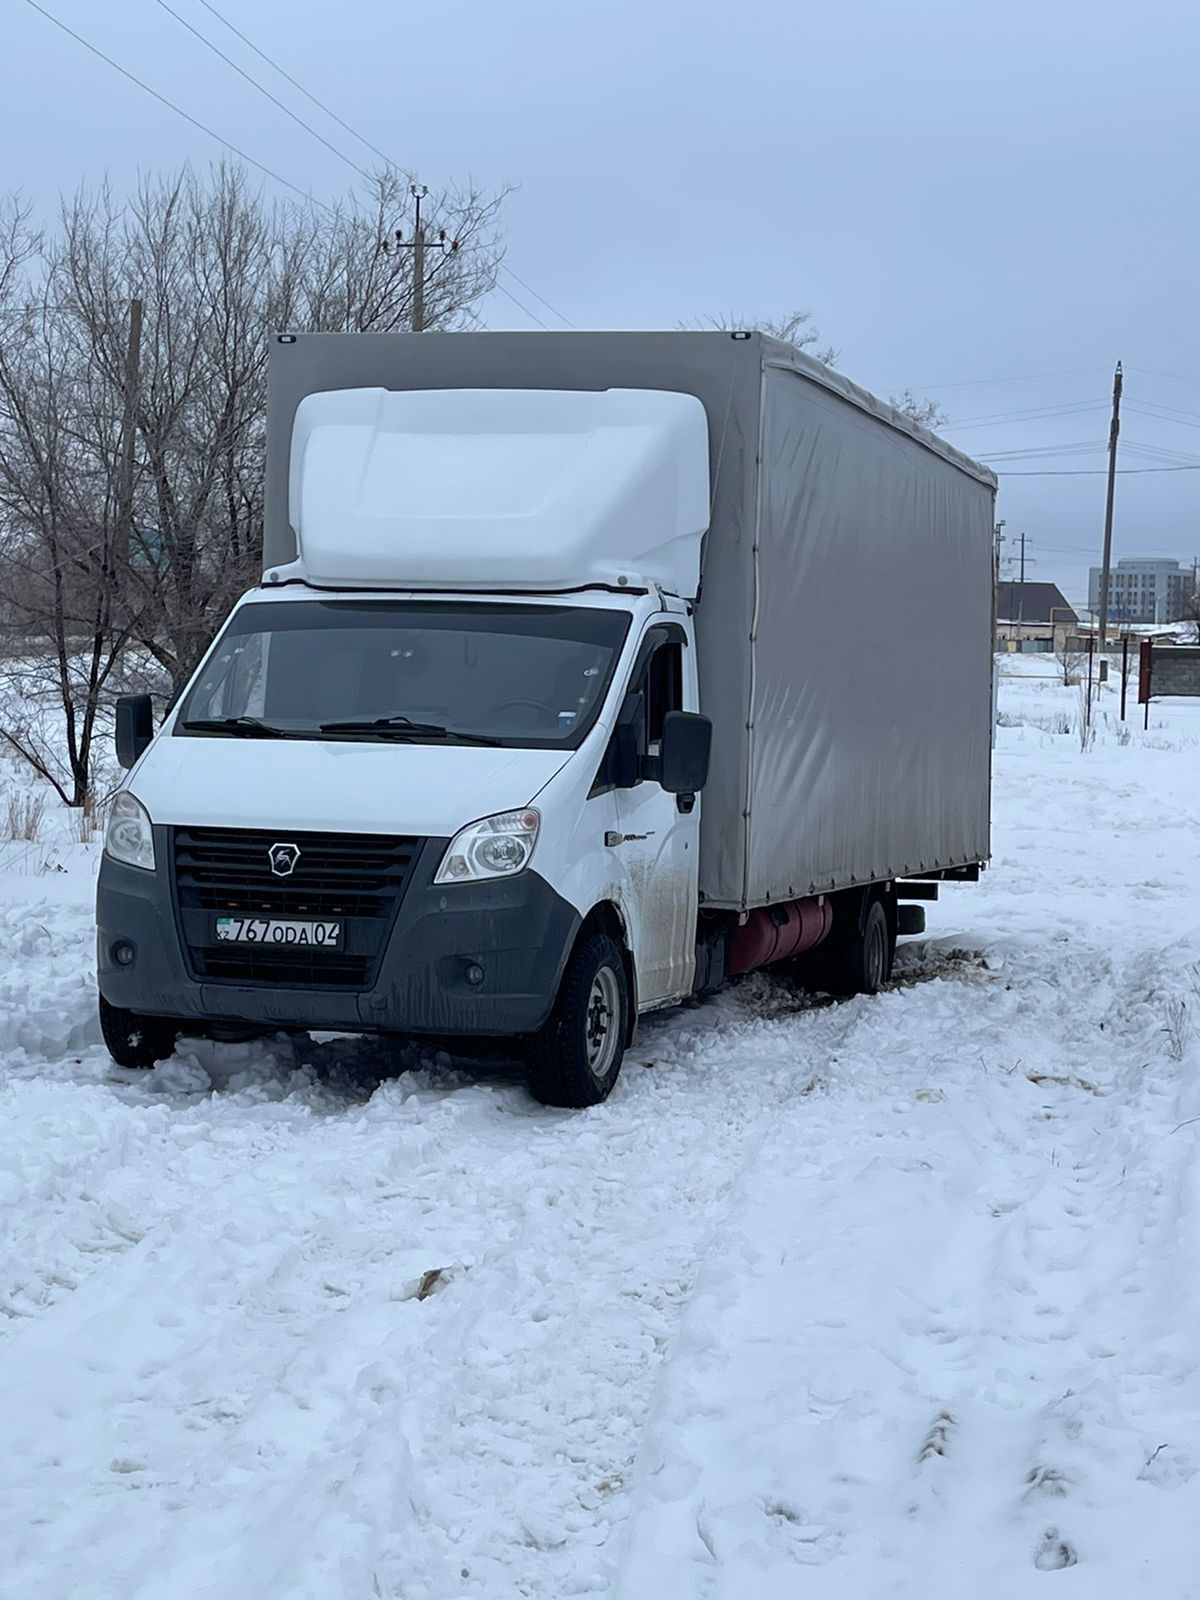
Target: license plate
[[264, 930]]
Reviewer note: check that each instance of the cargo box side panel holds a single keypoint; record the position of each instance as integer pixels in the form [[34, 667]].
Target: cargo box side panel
[[871, 701]]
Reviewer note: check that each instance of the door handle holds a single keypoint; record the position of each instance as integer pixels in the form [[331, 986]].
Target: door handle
[[685, 803]]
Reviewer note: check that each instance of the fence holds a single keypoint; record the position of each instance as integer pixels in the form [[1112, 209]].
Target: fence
[[1172, 669]]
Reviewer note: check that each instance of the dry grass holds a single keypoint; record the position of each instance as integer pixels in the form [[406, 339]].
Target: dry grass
[[85, 819], [25, 813], [1177, 1027]]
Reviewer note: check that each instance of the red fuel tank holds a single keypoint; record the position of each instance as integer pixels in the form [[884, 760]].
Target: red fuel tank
[[773, 933]]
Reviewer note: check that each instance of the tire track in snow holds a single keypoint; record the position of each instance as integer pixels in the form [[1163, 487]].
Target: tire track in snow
[[249, 1400], [255, 1369], [941, 1354]]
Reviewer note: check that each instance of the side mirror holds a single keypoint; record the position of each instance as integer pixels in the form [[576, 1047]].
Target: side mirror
[[685, 751], [135, 727]]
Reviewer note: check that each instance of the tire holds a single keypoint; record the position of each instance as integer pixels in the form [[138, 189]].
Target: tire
[[136, 1041], [576, 1057], [858, 957]]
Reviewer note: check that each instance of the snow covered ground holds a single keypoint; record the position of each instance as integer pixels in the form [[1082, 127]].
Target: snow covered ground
[[897, 1297]]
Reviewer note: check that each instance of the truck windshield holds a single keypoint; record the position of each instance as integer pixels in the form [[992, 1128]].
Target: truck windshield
[[418, 672]]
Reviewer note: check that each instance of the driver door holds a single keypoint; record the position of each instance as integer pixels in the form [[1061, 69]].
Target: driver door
[[657, 844]]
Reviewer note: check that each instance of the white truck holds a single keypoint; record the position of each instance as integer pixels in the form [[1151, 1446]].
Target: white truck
[[586, 671]]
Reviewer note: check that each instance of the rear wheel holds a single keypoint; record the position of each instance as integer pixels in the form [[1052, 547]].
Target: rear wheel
[[576, 1057], [133, 1040], [857, 957]]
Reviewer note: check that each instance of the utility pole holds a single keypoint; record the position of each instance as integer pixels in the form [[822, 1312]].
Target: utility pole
[[1021, 586], [133, 364], [418, 312], [1023, 558], [418, 244], [1106, 565], [999, 541]]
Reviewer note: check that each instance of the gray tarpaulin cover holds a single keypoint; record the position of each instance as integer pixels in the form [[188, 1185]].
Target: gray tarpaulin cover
[[845, 621]]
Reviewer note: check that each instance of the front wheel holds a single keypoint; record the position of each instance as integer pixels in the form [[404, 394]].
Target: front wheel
[[133, 1040], [576, 1057]]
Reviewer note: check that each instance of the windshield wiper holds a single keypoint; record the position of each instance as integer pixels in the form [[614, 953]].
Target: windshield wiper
[[399, 727], [239, 727]]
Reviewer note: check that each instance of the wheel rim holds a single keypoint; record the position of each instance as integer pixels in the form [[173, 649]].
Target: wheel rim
[[602, 1021]]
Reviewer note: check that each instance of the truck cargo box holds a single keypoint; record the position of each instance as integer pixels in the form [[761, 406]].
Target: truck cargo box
[[844, 619]]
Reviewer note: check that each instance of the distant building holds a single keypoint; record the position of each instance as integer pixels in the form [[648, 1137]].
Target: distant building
[[1034, 616], [1151, 590]]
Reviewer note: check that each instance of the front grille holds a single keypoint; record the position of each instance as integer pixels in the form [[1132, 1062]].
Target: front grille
[[355, 879], [253, 964]]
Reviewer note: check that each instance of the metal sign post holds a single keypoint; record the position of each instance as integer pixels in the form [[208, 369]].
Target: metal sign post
[[1145, 677]]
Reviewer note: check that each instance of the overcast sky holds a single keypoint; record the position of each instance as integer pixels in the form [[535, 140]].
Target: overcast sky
[[987, 203]]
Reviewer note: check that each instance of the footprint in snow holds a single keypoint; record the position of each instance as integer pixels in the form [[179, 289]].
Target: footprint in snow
[[1049, 1481], [937, 1441], [1054, 1554]]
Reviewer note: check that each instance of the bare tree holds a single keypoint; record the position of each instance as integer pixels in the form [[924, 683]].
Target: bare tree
[[217, 269], [59, 441], [927, 412], [1070, 661], [796, 329], [18, 242]]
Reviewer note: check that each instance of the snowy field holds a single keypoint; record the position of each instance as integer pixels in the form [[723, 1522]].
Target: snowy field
[[893, 1298]]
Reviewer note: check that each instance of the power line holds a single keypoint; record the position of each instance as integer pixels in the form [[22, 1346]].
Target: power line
[[528, 287], [975, 383], [307, 93], [262, 89], [1172, 414], [1085, 447], [249, 159], [1175, 377], [532, 315], [320, 104], [1151, 452], [1030, 451], [179, 111], [1158, 452], [1034, 414], [1091, 472]]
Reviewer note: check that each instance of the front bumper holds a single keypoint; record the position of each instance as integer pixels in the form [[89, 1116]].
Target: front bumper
[[518, 930]]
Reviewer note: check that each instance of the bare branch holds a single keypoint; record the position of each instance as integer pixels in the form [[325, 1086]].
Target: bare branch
[[927, 412], [795, 329], [218, 268]]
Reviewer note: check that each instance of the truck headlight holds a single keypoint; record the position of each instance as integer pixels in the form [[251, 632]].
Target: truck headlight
[[129, 837], [497, 847]]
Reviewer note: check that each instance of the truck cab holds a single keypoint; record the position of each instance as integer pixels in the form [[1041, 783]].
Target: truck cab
[[442, 774]]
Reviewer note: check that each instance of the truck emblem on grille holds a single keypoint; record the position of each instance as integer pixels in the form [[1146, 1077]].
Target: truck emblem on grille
[[283, 859]]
